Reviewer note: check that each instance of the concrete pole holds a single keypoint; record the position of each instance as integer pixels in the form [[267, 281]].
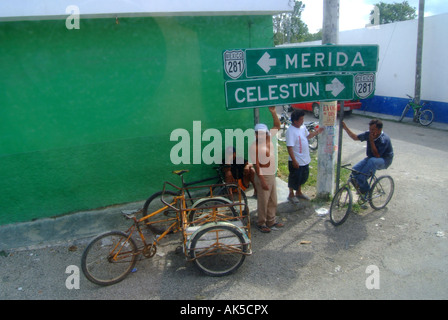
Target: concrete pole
[[418, 69], [256, 110], [326, 149], [330, 25]]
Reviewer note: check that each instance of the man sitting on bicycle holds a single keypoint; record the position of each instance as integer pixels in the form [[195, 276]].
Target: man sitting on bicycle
[[379, 152]]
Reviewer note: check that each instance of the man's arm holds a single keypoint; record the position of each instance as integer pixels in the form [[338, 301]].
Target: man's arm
[[277, 123], [315, 133], [295, 163], [349, 132], [373, 147]]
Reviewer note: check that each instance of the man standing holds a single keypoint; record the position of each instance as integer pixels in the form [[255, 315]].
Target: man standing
[[262, 155], [297, 137], [379, 152]]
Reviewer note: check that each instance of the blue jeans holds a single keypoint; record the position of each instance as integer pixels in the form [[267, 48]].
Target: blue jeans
[[367, 166]]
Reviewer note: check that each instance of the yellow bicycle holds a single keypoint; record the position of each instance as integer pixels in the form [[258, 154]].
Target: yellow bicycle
[[215, 238]]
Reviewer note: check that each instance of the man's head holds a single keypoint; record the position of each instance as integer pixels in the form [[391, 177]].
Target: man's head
[[375, 127], [261, 131], [297, 117]]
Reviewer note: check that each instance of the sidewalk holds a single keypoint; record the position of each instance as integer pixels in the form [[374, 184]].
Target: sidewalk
[[81, 225], [434, 125]]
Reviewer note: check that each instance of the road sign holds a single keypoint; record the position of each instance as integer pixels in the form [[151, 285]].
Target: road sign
[[234, 63], [252, 93], [300, 60], [364, 85]]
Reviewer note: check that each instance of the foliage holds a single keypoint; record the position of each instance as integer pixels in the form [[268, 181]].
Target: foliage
[[395, 12], [289, 27]]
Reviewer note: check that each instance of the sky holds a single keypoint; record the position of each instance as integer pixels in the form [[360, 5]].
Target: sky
[[354, 14]]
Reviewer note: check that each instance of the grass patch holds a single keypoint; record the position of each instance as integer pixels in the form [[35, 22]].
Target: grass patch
[[310, 187], [283, 171]]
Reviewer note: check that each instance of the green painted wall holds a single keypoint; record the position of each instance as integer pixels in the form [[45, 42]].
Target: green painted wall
[[86, 115]]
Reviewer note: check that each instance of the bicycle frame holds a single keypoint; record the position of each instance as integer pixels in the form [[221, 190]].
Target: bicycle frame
[[218, 178], [180, 221], [372, 177], [206, 232], [119, 254], [416, 108]]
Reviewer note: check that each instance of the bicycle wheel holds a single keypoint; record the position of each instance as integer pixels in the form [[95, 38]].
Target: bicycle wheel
[[313, 142], [218, 250], [159, 223], [405, 110], [204, 208], [426, 117], [282, 132], [341, 205], [381, 192], [109, 258], [230, 191]]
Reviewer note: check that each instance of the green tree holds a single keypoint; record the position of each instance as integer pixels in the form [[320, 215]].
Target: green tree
[[395, 12], [289, 27]]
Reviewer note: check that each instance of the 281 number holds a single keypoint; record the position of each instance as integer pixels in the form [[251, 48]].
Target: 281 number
[[364, 87], [234, 67]]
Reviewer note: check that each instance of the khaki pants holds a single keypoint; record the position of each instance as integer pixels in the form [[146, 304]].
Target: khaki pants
[[266, 201]]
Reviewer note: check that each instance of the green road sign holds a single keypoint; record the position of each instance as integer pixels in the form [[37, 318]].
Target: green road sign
[[253, 93], [300, 60]]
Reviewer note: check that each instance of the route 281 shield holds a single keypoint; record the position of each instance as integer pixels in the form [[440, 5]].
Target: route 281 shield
[[234, 63], [364, 84]]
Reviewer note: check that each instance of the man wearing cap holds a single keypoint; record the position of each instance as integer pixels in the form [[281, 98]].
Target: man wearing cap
[[262, 154]]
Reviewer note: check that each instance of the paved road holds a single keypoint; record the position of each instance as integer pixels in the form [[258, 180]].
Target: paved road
[[406, 244]]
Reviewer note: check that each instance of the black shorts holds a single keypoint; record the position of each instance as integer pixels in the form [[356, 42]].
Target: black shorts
[[297, 176]]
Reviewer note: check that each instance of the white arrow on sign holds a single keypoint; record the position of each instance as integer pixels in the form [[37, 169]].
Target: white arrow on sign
[[266, 62], [335, 87]]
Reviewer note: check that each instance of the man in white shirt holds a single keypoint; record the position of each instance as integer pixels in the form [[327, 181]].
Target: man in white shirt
[[297, 137]]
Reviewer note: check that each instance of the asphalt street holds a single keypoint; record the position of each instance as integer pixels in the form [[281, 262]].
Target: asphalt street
[[400, 252]]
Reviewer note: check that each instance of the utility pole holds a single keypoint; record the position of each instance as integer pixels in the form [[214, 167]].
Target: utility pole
[[418, 69], [326, 149]]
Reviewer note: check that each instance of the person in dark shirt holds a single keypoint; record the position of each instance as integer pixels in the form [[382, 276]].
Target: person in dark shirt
[[238, 170], [379, 152]]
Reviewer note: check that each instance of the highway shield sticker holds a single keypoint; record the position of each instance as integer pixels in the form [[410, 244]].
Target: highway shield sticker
[[234, 63], [364, 85]]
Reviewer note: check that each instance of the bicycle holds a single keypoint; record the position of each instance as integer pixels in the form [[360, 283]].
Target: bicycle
[[285, 121], [223, 193], [423, 116], [217, 243], [381, 190]]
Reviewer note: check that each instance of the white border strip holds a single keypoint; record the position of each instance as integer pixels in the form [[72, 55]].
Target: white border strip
[[13, 10]]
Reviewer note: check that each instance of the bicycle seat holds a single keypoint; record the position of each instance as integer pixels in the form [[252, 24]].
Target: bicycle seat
[[180, 172]]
